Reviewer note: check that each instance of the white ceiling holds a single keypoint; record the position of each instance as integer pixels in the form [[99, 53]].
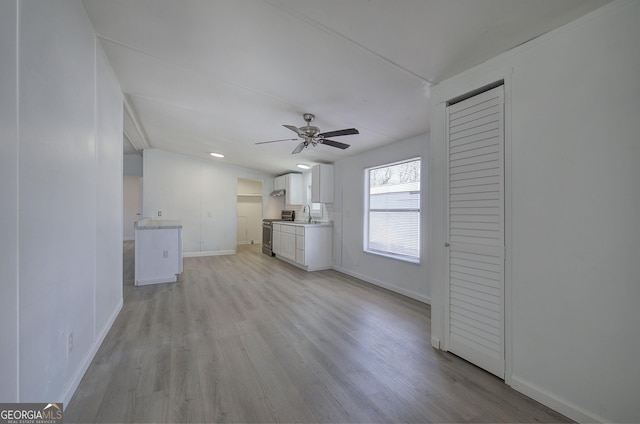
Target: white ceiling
[[219, 75]]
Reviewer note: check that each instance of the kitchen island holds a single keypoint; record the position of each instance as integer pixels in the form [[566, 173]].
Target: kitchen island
[[158, 251]]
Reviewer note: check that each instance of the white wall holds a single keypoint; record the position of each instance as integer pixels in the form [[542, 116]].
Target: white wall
[[64, 257], [108, 194], [200, 193], [9, 334], [132, 165], [573, 269], [348, 216]]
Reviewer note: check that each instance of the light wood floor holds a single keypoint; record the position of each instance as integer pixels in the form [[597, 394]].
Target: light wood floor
[[248, 338]]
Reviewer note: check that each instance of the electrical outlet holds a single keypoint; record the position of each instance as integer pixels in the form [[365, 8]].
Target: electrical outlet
[[159, 213], [70, 348], [165, 254]]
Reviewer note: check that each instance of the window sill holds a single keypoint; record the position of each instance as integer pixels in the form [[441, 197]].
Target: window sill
[[392, 256]]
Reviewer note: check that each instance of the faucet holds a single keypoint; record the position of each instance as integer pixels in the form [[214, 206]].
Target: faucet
[[309, 212]]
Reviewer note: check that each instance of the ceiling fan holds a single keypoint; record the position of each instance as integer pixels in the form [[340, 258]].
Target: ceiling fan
[[312, 136]]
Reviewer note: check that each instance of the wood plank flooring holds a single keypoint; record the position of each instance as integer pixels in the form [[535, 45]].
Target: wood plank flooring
[[247, 338]]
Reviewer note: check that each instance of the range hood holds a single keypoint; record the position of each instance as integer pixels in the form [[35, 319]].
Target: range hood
[[278, 193]]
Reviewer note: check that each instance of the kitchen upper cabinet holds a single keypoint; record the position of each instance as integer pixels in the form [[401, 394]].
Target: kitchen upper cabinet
[[279, 183], [293, 190], [322, 184], [292, 186]]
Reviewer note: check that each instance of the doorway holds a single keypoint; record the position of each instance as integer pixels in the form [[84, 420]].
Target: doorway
[[132, 204], [249, 211]]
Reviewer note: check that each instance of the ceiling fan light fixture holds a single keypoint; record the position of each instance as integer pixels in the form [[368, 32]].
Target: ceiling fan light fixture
[[311, 136], [216, 155], [303, 166]]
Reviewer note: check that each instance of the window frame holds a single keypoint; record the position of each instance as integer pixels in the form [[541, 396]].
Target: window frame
[[367, 212]]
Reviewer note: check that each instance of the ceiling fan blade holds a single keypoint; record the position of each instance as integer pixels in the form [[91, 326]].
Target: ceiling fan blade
[[275, 141], [298, 148], [348, 131], [295, 130], [334, 144]]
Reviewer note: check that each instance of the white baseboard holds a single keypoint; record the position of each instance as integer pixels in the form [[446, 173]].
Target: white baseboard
[[209, 253], [158, 280], [554, 402], [435, 343], [132, 238], [386, 285], [88, 359]]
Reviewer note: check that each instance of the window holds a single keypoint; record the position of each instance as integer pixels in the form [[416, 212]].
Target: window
[[392, 216]]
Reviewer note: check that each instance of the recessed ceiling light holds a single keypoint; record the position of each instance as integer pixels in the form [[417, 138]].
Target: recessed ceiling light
[[217, 155], [303, 166]]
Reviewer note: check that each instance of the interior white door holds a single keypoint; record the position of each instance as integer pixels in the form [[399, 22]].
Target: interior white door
[[475, 193]]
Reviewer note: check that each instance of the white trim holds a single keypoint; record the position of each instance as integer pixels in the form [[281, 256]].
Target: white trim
[[508, 225], [88, 359], [444, 95], [96, 182], [408, 293], [129, 238], [157, 280], [17, 229], [441, 95], [134, 120], [554, 402], [408, 259], [209, 253], [367, 211]]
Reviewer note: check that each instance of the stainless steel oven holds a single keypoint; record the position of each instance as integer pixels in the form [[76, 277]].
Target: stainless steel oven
[[267, 231]]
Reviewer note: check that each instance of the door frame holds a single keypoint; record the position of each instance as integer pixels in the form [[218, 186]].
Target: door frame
[[457, 88]]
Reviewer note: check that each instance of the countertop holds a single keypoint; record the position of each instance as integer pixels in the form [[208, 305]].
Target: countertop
[[305, 223], [155, 224]]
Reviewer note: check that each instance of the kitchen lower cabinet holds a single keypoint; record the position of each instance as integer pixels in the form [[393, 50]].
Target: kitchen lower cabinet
[[288, 242], [307, 246], [276, 238], [300, 245], [158, 251]]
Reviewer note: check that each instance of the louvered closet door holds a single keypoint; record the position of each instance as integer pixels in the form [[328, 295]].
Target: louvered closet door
[[475, 315]]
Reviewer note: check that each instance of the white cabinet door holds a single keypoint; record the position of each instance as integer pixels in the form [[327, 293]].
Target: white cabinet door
[[322, 184], [279, 183], [474, 315], [288, 242], [300, 247], [158, 255], [317, 248], [275, 239], [293, 190]]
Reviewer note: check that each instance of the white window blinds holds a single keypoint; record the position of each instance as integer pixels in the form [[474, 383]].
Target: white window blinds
[[393, 210]]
